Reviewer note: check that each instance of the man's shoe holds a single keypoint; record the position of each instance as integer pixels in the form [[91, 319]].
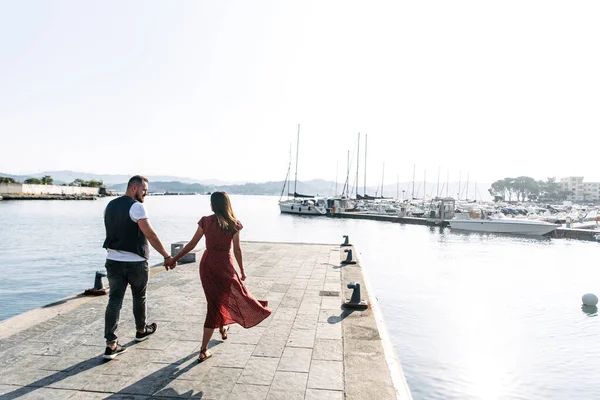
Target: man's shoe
[[109, 353], [150, 329]]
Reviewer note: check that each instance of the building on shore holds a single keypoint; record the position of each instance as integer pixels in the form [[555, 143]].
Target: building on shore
[[580, 190], [29, 189]]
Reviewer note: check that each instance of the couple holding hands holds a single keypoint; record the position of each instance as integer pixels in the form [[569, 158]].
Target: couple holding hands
[[128, 232]]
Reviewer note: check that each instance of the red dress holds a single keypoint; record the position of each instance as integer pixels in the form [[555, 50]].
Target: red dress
[[228, 299]]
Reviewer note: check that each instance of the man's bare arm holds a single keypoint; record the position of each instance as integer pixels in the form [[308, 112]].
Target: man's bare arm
[[152, 237]]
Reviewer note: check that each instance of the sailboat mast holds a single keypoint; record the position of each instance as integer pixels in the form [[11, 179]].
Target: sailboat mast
[[397, 186], [424, 183], [365, 185], [467, 195], [357, 158], [447, 182], [437, 191], [382, 175], [348, 174], [287, 177], [296, 173], [459, 178], [414, 170], [337, 164]]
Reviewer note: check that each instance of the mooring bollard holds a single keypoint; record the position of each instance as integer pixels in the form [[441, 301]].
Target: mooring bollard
[[346, 242], [348, 259], [98, 289], [355, 301]]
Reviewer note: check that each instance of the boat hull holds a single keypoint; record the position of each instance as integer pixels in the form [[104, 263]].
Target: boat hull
[[533, 228], [301, 209]]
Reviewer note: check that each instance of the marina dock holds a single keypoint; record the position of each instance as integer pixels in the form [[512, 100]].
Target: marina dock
[[309, 348], [561, 231]]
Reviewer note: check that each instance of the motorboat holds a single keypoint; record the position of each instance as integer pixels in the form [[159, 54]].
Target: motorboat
[[519, 226]]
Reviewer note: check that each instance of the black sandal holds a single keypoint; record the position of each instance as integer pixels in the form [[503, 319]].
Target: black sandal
[[204, 355]]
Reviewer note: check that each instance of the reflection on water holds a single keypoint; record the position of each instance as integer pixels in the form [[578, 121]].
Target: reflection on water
[[472, 316], [591, 311]]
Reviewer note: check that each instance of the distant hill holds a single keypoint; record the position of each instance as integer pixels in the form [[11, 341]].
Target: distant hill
[[108, 179], [316, 187], [320, 187]]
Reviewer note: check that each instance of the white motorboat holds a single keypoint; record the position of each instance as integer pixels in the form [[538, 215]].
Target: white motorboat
[[504, 225], [313, 206]]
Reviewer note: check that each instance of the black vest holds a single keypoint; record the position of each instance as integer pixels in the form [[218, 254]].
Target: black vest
[[121, 232]]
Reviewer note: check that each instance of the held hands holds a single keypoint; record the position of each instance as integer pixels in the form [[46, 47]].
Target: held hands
[[170, 263]]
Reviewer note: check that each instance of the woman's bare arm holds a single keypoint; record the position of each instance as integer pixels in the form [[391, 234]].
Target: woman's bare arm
[[237, 252], [188, 247]]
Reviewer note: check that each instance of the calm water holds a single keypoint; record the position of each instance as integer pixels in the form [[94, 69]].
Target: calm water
[[471, 316]]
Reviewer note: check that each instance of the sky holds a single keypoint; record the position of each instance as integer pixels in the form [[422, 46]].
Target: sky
[[216, 90]]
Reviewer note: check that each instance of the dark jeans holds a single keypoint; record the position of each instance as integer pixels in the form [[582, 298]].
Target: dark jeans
[[120, 274]]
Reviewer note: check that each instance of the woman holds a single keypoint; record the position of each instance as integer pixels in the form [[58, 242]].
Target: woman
[[228, 299]]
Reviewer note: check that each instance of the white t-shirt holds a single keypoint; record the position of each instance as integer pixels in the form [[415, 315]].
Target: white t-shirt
[[136, 212]]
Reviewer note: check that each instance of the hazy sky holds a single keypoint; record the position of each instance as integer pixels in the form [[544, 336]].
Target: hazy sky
[[216, 89]]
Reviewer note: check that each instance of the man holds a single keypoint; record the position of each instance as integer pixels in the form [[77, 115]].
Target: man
[[128, 232]]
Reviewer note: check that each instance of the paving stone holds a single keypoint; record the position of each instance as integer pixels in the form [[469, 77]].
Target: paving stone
[[329, 331], [285, 314], [302, 338], [235, 355], [108, 383], [150, 379], [318, 394], [248, 392], [326, 375], [328, 349], [331, 303], [177, 352], [45, 394], [306, 321], [246, 336], [295, 360], [259, 371], [332, 316], [288, 386], [218, 383], [178, 389]]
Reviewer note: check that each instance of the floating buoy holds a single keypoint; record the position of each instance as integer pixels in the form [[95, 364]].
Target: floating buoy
[[589, 299]]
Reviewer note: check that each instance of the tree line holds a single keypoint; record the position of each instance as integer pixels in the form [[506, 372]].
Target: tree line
[[525, 188], [48, 180]]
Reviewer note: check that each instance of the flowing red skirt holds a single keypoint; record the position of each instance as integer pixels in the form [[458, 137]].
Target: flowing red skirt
[[228, 299]]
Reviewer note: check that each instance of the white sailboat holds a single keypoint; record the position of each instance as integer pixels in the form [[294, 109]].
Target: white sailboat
[[300, 204]]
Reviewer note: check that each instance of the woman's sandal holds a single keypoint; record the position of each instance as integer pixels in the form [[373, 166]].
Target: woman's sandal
[[204, 355], [224, 331]]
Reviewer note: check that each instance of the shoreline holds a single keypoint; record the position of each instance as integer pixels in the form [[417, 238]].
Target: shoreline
[[9, 197]]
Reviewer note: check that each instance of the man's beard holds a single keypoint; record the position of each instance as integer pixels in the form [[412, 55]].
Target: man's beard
[[139, 198]]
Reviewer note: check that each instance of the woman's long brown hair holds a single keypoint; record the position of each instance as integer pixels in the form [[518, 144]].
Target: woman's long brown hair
[[221, 206]]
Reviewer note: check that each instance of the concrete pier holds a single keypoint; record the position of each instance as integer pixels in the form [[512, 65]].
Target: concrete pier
[[309, 348]]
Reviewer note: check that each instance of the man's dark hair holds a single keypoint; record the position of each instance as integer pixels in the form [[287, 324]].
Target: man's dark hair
[[136, 180]]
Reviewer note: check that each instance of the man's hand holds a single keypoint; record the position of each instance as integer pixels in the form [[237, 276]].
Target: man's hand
[[170, 263]]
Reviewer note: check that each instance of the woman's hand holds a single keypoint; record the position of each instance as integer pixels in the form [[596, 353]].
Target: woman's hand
[[170, 263], [243, 277]]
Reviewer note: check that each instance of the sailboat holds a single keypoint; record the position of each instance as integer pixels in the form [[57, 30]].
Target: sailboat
[[300, 203]]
